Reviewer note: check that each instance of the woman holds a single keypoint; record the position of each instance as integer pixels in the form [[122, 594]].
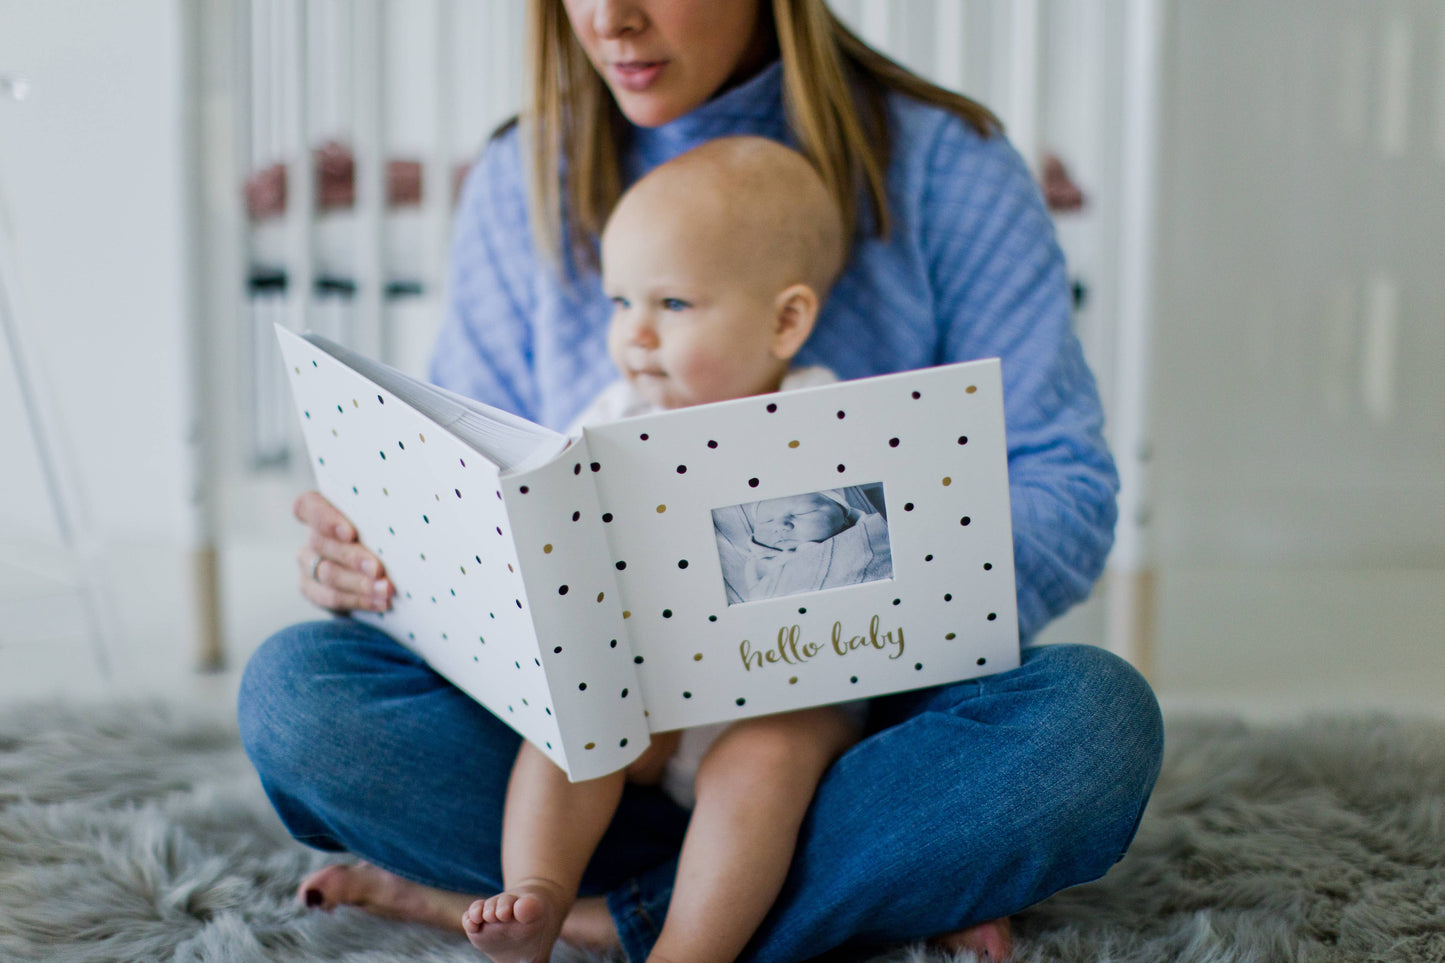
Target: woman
[[967, 803]]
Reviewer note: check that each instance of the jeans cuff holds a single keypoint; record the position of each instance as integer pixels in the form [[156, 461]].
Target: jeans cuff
[[638, 908]]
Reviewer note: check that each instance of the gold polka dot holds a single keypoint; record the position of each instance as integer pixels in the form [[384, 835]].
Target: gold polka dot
[[626, 614], [547, 549], [950, 636], [334, 434], [793, 680], [355, 403], [971, 389], [298, 370], [697, 657], [599, 596], [661, 509], [947, 481], [510, 569], [386, 493], [793, 444], [590, 745], [421, 436]]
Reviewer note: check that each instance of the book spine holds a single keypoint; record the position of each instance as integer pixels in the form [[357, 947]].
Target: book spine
[[571, 594]]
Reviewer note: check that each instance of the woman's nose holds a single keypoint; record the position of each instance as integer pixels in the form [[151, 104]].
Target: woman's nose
[[616, 18]]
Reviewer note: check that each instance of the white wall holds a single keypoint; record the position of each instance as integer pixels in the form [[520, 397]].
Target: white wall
[[1300, 413], [94, 170]]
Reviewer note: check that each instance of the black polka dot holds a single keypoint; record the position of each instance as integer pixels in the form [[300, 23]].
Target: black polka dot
[[908, 506], [802, 610], [576, 516], [992, 616], [381, 453], [458, 491], [742, 701], [577, 468], [557, 648], [581, 687], [682, 563], [623, 742], [595, 466], [561, 590], [982, 660], [380, 400], [682, 469], [841, 468], [307, 414], [425, 519], [988, 566], [841, 415], [518, 601], [772, 407], [524, 489], [400, 445], [928, 558], [897, 601], [612, 644], [965, 520], [463, 461], [607, 516], [752, 483], [712, 618], [621, 566], [963, 439], [624, 693], [918, 666], [917, 395], [711, 443], [948, 596], [853, 679], [667, 613], [477, 557], [892, 442], [686, 694], [643, 436], [637, 659]]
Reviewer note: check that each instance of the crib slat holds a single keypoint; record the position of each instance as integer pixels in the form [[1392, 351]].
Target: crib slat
[[369, 60]]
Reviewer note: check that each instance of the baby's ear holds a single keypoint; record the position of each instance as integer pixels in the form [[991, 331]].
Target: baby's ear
[[794, 312]]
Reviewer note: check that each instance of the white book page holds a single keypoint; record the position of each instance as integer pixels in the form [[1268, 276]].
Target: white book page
[[505, 438], [432, 509], [917, 591]]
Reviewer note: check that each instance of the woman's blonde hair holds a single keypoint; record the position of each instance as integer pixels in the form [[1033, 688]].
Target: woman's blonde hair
[[834, 88]]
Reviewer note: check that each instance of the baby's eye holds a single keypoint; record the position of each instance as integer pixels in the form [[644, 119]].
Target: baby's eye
[[675, 304], [618, 301]]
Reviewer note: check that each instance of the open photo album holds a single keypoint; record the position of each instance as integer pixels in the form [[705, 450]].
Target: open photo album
[[676, 569]]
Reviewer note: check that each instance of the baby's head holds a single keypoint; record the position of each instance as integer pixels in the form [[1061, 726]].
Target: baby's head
[[786, 523], [717, 263]]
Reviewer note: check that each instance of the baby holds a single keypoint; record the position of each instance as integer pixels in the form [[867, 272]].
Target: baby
[[804, 543], [716, 264]]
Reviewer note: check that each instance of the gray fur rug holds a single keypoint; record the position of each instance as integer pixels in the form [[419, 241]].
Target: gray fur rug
[[139, 833]]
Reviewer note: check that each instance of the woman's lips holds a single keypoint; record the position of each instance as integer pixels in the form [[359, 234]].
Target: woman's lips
[[637, 75]]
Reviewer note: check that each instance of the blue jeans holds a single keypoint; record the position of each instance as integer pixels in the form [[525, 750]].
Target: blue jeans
[[964, 803]]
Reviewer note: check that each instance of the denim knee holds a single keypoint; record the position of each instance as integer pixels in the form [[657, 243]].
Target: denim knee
[[1119, 727], [277, 700]]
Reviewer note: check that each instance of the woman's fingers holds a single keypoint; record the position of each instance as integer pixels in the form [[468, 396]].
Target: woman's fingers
[[316, 513], [336, 572]]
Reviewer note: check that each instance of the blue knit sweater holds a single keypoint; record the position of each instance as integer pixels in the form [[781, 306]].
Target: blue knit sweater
[[969, 270]]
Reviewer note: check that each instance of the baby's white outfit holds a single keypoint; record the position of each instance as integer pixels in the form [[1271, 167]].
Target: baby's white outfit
[[620, 400]]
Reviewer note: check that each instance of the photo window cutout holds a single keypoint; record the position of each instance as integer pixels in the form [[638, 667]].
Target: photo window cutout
[[796, 544]]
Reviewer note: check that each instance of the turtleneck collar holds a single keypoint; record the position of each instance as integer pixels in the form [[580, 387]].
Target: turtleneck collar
[[754, 106]]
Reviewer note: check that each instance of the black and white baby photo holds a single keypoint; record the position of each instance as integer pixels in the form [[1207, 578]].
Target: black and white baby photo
[[803, 543]]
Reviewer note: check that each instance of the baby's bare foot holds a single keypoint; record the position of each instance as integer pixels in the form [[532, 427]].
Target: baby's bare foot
[[992, 941], [589, 926], [519, 926], [384, 894]]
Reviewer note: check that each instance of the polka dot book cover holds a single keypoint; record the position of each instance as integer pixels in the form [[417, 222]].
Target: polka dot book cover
[[676, 569]]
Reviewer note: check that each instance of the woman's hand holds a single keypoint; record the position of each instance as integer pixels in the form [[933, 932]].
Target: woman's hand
[[337, 573]]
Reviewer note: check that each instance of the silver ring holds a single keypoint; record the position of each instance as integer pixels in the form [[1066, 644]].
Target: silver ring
[[314, 566]]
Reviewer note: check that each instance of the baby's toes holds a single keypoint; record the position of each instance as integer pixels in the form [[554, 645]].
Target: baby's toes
[[504, 908]]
